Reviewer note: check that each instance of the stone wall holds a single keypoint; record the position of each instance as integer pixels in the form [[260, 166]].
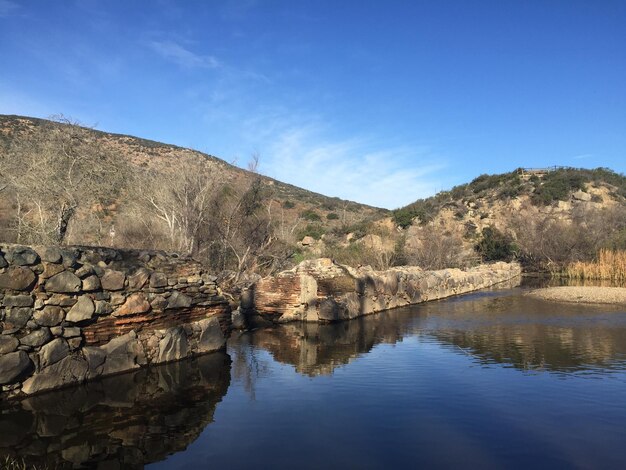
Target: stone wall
[[324, 291], [73, 314]]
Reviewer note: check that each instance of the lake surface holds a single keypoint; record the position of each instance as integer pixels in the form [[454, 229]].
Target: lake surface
[[488, 380]]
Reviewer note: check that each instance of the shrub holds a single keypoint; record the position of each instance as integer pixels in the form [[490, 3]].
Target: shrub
[[495, 245], [311, 215], [332, 216], [288, 205], [312, 230]]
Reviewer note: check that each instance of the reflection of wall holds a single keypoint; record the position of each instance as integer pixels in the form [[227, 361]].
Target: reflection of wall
[[125, 421], [324, 291], [505, 328], [317, 349], [76, 313]]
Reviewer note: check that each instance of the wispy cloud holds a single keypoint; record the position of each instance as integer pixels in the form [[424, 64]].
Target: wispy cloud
[[583, 156], [357, 169], [180, 55], [7, 8]]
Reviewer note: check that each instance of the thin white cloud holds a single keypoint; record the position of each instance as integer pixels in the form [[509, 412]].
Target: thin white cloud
[[355, 169], [178, 54], [583, 156], [7, 8]]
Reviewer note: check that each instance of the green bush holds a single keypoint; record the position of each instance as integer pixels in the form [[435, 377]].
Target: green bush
[[311, 215], [312, 230], [288, 205], [332, 216], [495, 245]]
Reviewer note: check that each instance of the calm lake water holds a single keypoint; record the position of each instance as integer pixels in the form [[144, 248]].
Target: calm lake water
[[489, 380]]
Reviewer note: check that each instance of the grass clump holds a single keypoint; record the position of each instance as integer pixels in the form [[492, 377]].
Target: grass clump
[[609, 265]]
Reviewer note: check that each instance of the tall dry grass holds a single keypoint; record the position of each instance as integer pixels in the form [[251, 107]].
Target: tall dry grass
[[610, 264]]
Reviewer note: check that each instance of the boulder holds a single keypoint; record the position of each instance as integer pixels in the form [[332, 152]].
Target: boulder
[[113, 280], [82, 310], [71, 369], [21, 256], [581, 196], [135, 304], [123, 353], [3, 262], [53, 352], [14, 366], [17, 278], [50, 269], [211, 336], [173, 346], [64, 282], [37, 338], [103, 307], [51, 315]]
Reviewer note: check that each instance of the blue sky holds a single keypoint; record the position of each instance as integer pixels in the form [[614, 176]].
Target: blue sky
[[381, 102]]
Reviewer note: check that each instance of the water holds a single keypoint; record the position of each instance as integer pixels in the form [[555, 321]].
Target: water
[[489, 380]]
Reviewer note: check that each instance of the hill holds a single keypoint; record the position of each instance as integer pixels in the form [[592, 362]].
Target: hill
[[547, 218], [132, 192]]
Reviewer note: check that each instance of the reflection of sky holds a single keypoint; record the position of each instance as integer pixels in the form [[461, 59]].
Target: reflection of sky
[[418, 402]]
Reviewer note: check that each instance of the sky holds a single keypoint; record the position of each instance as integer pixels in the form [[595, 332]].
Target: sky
[[381, 102]]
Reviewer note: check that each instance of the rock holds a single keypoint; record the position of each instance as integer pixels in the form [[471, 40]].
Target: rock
[[18, 316], [64, 282], [17, 278], [71, 369], [75, 343], [51, 315], [8, 344], [158, 280], [22, 256], [53, 352], [138, 279], [581, 196], [82, 310], [71, 332], [239, 320], [211, 336], [178, 300], [95, 360], [113, 280], [103, 307], [173, 346], [61, 300], [91, 283], [14, 366], [135, 303], [69, 258], [123, 353], [159, 302], [3, 262], [36, 338], [50, 270], [50, 254], [18, 301], [117, 298], [84, 271]]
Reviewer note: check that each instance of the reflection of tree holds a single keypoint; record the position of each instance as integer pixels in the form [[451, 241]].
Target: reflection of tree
[[125, 421], [248, 367]]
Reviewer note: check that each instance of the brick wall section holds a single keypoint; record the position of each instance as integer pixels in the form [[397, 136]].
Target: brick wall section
[[72, 314]]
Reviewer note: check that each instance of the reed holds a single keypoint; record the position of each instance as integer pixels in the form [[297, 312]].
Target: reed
[[610, 264]]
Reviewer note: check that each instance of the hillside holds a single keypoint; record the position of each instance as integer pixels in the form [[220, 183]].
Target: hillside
[[546, 218], [64, 183]]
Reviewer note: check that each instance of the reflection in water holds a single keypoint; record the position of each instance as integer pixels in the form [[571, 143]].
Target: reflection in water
[[507, 328], [124, 421]]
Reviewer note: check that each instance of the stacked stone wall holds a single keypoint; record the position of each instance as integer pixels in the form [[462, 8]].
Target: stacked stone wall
[[72, 314], [324, 291]]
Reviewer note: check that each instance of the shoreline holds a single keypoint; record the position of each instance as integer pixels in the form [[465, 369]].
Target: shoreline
[[582, 294]]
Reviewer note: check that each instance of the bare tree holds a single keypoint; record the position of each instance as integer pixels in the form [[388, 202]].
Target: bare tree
[[55, 171]]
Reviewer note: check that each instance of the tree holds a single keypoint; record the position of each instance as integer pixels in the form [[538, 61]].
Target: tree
[[54, 172]]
